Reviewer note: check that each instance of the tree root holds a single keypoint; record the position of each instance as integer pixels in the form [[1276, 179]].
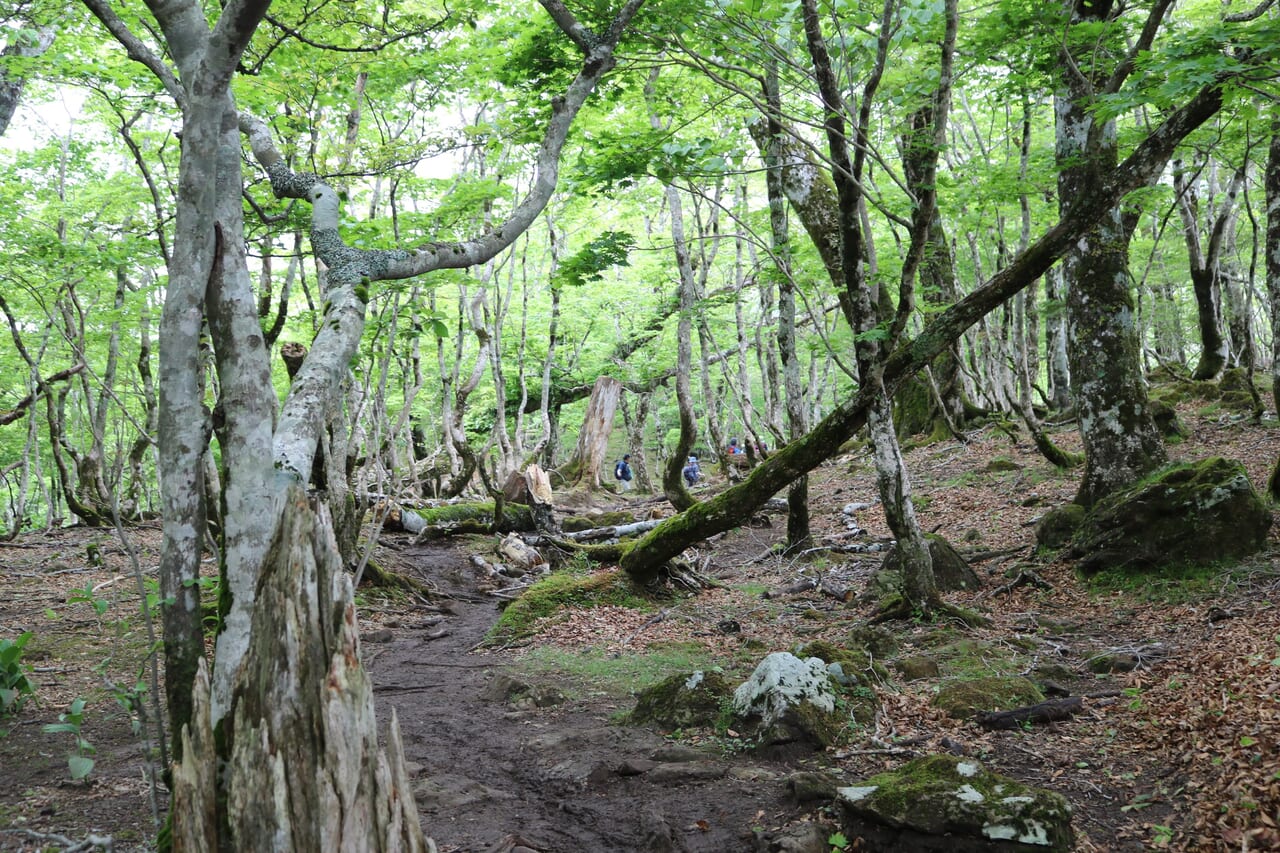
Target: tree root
[[375, 575], [899, 607]]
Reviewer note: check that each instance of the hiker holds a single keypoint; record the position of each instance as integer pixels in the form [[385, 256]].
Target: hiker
[[692, 473], [622, 472]]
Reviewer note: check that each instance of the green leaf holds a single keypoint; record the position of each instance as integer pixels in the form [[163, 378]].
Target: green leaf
[[80, 766]]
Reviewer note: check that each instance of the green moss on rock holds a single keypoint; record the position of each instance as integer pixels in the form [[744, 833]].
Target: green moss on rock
[[961, 699], [565, 589], [1056, 527], [683, 700], [944, 802], [1188, 514]]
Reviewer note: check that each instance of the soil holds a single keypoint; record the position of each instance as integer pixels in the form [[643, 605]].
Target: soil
[[526, 745]]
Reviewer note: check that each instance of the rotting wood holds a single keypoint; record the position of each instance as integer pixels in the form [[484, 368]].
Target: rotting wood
[[1048, 711]]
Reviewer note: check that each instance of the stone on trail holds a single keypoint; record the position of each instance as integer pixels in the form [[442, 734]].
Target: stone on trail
[[943, 803], [790, 701]]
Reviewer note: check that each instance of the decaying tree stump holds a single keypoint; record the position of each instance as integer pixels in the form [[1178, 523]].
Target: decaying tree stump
[[301, 769]]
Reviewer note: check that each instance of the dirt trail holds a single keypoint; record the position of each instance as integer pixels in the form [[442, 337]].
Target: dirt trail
[[490, 770]]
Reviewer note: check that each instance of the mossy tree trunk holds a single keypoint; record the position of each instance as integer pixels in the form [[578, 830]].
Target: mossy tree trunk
[[1121, 441], [1271, 180]]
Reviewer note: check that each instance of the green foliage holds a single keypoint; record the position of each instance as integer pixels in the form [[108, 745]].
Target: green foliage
[[589, 263], [15, 685], [78, 761]]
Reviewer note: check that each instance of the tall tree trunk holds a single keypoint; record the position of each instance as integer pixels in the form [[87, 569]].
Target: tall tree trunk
[[799, 533], [1271, 181], [1121, 442], [673, 485]]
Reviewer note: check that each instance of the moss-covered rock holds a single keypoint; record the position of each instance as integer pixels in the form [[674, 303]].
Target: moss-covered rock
[[1198, 513], [684, 700], [916, 667], [1056, 527], [944, 803], [964, 698], [876, 639], [855, 663], [1167, 420]]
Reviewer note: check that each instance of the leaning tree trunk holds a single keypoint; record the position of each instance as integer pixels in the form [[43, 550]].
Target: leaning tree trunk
[[593, 439], [307, 708], [645, 559]]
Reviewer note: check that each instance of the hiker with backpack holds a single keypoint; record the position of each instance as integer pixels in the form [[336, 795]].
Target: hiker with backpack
[[622, 472]]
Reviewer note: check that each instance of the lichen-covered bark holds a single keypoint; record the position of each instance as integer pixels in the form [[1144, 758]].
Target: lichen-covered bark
[[1271, 180], [1121, 442]]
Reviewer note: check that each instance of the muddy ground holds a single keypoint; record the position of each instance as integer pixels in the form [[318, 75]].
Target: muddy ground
[[524, 745]]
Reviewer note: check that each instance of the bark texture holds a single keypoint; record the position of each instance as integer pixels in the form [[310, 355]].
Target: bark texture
[[1121, 442], [305, 710]]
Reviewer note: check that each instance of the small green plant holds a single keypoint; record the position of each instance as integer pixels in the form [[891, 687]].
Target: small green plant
[[88, 595], [15, 686], [79, 762], [838, 842]]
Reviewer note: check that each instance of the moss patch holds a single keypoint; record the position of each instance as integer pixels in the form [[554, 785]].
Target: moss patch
[[961, 699], [561, 590]]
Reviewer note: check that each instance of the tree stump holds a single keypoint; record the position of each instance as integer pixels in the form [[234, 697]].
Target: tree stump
[[300, 768]]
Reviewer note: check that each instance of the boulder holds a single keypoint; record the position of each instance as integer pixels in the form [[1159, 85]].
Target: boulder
[[681, 701], [961, 699], [1186, 514], [945, 803], [789, 701], [1056, 527]]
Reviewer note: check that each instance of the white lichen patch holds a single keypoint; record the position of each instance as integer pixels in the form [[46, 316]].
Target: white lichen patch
[[854, 793], [693, 681], [783, 681], [1014, 800], [1032, 832], [967, 769], [969, 794]]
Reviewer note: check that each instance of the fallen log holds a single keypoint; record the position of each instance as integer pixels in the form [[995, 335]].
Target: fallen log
[[613, 531], [1049, 711]]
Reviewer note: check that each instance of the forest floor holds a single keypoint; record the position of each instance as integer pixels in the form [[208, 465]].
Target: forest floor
[[525, 745]]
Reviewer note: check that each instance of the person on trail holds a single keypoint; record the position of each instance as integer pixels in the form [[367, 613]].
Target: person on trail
[[622, 472], [692, 473]]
